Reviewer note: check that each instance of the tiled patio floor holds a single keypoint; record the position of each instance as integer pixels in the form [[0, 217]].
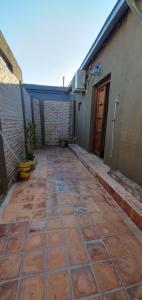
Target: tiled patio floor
[[64, 237]]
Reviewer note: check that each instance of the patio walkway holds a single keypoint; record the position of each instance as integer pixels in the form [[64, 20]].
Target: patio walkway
[[63, 237]]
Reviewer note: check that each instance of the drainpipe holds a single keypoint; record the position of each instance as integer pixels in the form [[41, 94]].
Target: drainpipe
[[113, 124], [134, 7]]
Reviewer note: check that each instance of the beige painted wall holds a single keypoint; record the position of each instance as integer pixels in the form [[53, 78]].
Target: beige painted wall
[[122, 57]]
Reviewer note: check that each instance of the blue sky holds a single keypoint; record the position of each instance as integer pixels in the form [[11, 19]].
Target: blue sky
[[51, 38]]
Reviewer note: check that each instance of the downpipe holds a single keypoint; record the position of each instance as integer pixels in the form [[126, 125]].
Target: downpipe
[[113, 124]]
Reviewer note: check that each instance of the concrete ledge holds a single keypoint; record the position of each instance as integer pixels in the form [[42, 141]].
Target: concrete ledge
[[95, 165]]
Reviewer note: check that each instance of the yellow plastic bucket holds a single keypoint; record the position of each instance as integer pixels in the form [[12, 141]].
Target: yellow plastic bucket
[[25, 164], [24, 169], [25, 175]]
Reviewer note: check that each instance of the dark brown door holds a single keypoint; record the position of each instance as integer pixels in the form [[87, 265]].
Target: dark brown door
[[100, 119]]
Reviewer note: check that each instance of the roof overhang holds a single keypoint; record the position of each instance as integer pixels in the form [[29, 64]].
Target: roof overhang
[[117, 13]]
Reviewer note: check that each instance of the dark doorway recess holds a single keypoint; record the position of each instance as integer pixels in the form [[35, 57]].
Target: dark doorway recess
[[99, 111]]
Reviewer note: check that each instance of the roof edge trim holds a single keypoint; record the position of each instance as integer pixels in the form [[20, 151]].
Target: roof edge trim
[[116, 14]]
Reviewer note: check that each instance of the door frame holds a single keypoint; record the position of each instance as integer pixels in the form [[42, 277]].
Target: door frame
[[105, 81]]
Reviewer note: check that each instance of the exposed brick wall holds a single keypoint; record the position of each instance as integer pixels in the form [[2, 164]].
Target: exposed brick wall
[[36, 110], [27, 104], [57, 117], [57, 121], [11, 116]]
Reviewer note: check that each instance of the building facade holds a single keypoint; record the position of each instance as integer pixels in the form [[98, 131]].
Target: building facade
[[12, 99], [108, 115]]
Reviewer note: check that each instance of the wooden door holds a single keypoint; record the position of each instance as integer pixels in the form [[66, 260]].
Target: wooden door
[[99, 120]]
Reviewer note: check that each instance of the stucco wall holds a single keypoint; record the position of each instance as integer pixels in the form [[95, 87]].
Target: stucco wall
[[120, 56], [10, 57]]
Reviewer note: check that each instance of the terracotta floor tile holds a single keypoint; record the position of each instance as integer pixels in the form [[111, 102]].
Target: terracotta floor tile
[[133, 244], [55, 258], [9, 266], [77, 255], [115, 247], [33, 262], [67, 210], [55, 238], [97, 251], [89, 233], [106, 276], [38, 208], [105, 230], [53, 212], [135, 293], [58, 286], [85, 219], [2, 245], [15, 244], [40, 205], [31, 288], [37, 225], [120, 295], [17, 229], [8, 290], [28, 205], [35, 241], [73, 236], [98, 217], [128, 270], [54, 223], [122, 228], [83, 282], [3, 230], [69, 221], [39, 214]]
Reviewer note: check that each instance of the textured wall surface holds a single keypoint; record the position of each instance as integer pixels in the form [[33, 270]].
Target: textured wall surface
[[11, 117], [57, 118], [121, 57], [27, 104], [37, 120]]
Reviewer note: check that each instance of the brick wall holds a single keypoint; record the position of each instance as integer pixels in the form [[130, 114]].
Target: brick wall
[[57, 118], [11, 116], [37, 120], [57, 121], [27, 104]]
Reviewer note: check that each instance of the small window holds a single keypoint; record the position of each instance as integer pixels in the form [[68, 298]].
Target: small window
[[79, 106]]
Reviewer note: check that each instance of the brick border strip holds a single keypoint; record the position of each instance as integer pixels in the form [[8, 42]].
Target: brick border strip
[[124, 199]]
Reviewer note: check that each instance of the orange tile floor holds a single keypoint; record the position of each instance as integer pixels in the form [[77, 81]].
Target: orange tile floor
[[63, 237]]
